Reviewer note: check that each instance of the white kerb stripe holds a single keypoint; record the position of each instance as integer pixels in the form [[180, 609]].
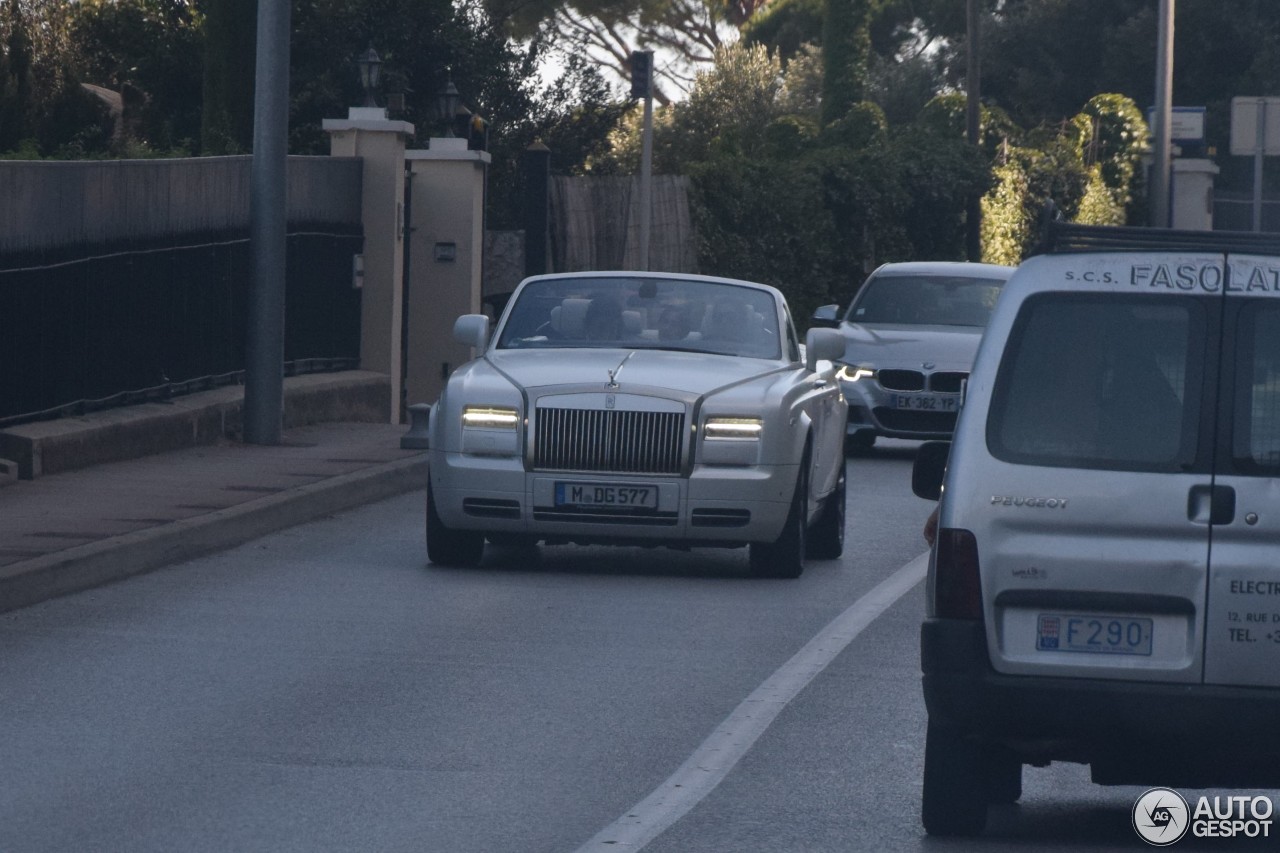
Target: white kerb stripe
[[718, 754]]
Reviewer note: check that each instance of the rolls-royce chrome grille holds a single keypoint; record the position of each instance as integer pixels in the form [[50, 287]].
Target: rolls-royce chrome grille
[[608, 440]]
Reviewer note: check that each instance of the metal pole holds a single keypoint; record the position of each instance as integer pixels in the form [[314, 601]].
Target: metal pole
[[405, 279], [1257, 164], [973, 121], [268, 220], [535, 180], [646, 170], [1162, 135]]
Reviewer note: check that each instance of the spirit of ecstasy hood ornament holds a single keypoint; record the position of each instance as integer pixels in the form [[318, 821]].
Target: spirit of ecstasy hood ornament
[[613, 374]]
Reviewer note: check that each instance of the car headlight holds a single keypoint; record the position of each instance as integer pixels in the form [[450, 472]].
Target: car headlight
[[739, 429], [490, 417], [854, 372], [731, 441], [490, 431]]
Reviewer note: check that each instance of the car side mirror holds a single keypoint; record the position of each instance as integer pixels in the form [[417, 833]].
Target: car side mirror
[[822, 345], [472, 330], [826, 317], [929, 469]]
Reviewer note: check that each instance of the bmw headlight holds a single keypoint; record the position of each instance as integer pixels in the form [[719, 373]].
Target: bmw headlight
[[491, 430], [731, 441]]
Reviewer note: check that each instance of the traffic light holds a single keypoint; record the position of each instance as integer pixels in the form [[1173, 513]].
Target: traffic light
[[641, 73]]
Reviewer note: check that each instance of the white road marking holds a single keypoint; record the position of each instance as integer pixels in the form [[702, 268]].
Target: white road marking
[[717, 755]]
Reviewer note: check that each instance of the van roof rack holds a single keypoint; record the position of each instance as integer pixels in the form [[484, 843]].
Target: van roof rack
[[1059, 237]]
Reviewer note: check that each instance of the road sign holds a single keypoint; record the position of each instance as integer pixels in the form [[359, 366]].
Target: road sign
[[1186, 124], [1245, 136]]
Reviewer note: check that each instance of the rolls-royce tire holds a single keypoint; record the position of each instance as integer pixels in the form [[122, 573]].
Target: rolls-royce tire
[[784, 557], [825, 540]]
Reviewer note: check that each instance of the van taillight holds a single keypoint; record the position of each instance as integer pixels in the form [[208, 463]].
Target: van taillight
[[958, 590]]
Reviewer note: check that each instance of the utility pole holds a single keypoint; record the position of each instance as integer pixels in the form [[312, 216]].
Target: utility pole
[[1162, 133], [642, 87], [268, 228], [973, 123]]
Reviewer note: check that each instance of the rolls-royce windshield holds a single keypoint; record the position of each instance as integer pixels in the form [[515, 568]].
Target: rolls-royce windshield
[[637, 313]]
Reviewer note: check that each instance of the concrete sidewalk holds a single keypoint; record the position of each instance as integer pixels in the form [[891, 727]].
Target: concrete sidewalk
[[69, 531]]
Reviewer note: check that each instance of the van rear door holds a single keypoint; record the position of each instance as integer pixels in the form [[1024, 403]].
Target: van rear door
[[1242, 635], [1093, 532]]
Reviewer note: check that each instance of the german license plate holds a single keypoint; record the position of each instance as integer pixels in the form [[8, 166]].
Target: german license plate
[[1099, 634], [926, 402], [606, 495]]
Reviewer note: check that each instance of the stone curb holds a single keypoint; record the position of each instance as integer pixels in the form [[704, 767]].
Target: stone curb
[[97, 563], [193, 420]]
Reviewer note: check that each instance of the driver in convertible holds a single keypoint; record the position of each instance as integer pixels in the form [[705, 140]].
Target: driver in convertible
[[603, 321], [728, 321], [673, 324]]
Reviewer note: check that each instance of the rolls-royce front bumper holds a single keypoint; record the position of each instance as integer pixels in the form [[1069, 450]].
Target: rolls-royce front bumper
[[713, 506]]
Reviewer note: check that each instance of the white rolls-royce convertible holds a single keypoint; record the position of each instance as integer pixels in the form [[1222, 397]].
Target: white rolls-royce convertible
[[638, 408]]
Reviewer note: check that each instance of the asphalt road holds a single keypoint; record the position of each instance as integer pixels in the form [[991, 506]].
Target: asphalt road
[[325, 689]]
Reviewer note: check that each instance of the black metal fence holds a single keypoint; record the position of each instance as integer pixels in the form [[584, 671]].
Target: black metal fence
[[85, 325], [1233, 211]]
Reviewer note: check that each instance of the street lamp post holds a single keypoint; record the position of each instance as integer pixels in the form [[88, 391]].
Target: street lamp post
[[268, 227], [370, 74], [973, 125], [447, 102], [1162, 133]]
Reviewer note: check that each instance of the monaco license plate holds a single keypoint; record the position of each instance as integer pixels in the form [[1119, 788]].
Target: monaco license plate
[[1099, 634], [606, 495], [926, 402]]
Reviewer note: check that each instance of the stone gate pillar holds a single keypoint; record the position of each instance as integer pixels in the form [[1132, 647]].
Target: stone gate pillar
[[446, 251], [368, 134]]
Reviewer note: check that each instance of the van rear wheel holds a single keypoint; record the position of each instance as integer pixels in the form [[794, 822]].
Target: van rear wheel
[[1002, 776], [954, 799]]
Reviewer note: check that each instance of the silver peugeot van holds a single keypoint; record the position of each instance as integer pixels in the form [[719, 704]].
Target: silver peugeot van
[[1104, 587]]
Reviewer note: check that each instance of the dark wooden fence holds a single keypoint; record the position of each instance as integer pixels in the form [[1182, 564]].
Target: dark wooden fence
[[128, 280]]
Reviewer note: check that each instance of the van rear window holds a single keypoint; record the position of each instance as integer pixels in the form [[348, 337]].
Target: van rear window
[[1100, 381], [1256, 442]]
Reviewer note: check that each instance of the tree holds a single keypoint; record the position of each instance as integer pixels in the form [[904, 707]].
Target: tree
[[148, 51], [1116, 142], [730, 103], [786, 26], [435, 41], [195, 64], [1088, 165], [884, 48], [230, 57], [1041, 59], [846, 50], [15, 80], [39, 60], [685, 34]]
